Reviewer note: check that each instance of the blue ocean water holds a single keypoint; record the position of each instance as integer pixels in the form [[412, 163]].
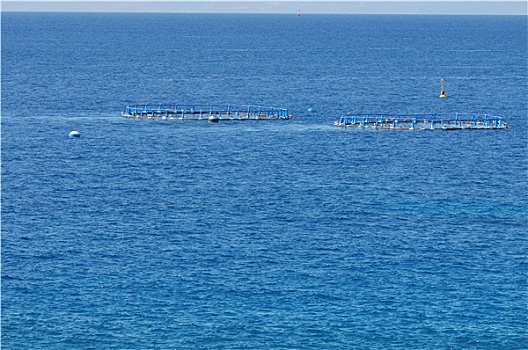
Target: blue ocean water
[[262, 235]]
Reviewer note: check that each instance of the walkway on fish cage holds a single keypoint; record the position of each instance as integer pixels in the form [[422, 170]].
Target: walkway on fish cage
[[434, 121], [205, 112]]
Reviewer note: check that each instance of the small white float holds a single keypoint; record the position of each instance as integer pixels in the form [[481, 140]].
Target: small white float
[[74, 134]]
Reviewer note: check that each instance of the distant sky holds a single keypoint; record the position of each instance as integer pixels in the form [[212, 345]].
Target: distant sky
[[473, 7]]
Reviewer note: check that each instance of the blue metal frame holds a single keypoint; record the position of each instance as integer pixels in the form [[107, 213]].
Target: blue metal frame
[[198, 112], [434, 121]]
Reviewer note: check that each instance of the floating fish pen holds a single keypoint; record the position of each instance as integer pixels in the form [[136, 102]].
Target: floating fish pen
[[457, 121], [205, 112]]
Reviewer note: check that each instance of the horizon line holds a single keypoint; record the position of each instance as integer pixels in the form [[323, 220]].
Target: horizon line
[[377, 7]]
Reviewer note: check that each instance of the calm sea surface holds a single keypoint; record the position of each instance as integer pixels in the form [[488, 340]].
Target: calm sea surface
[[262, 235]]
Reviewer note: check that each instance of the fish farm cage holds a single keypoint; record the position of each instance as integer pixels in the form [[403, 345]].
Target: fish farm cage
[[204, 112], [455, 121]]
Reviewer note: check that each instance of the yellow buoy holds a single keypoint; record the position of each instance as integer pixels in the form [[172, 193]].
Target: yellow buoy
[[442, 93]]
